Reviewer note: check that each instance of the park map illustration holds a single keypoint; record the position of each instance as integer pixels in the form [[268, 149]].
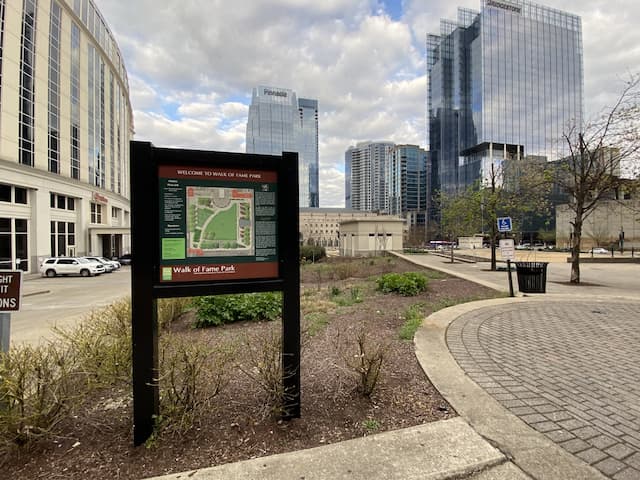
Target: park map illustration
[[219, 221]]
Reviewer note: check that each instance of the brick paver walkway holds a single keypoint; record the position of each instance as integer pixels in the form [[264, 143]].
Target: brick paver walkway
[[570, 370]]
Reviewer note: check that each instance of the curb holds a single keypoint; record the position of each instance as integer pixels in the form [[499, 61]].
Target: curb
[[39, 292], [441, 450]]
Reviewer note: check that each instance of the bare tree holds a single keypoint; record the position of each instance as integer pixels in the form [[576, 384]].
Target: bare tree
[[592, 171], [515, 188]]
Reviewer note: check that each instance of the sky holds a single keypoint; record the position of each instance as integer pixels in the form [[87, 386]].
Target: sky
[[192, 65]]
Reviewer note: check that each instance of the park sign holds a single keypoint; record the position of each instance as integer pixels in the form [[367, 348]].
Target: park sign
[[217, 224], [210, 223], [10, 289]]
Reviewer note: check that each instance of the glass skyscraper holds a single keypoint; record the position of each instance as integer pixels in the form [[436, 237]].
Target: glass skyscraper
[[503, 83], [280, 122]]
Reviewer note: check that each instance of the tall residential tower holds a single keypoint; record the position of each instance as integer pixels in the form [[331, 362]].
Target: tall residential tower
[[365, 176], [504, 82], [280, 122]]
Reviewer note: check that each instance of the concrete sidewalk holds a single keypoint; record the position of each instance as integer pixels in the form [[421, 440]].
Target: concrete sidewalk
[[603, 279], [439, 450]]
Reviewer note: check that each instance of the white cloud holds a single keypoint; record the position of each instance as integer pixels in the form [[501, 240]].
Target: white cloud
[[192, 65]]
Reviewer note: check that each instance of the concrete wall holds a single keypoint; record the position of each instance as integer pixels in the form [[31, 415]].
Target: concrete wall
[[603, 226]]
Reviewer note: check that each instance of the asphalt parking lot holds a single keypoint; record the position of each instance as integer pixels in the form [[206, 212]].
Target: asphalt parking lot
[[63, 301]]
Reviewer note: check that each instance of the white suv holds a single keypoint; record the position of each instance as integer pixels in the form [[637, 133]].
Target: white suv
[[51, 267]]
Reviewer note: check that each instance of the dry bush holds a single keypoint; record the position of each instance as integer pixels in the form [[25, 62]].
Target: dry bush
[[263, 364], [364, 356], [342, 271], [191, 375], [38, 387], [170, 309], [101, 344]]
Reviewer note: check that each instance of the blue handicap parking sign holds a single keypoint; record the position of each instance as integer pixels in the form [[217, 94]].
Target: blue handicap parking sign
[[504, 224]]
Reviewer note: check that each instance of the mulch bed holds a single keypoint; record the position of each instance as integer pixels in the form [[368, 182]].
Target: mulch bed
[[238, 425]]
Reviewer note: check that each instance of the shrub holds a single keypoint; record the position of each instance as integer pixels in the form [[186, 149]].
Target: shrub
[[262, 352], [191, 375], [101, 344], [217, 310], [364, 356], [38, 387], [312, 253], [407, 284], [170, 309]]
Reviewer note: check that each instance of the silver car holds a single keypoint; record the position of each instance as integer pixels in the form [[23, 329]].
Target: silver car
[[109, 265], [55, 266]]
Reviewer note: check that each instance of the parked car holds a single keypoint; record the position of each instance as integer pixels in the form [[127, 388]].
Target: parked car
[[109, 265], [125, 259], [599, 250], [54, 266]]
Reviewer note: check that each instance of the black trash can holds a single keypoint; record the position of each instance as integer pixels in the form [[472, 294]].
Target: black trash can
[[532, 277]]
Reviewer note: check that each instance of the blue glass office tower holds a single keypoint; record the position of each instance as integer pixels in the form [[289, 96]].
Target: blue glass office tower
[[280, 122], [503, 83]]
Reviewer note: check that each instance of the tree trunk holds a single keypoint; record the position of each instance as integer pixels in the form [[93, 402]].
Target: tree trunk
[[575, 248], [493, 249]]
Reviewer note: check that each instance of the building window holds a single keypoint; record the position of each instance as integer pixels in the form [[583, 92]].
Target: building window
[[20, 195], [11, 194], [112, 147], [62, 202], [95, 112], [63, 238], [96, 213], [27, 84], [14, 242], [5, 193], [54, 87], [75, 101]]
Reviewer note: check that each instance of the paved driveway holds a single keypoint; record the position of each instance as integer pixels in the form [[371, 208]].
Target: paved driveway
[[568, 368]]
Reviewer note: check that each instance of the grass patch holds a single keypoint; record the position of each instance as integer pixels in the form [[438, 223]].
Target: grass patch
[[347, 298], [412, 320], [315, 323]]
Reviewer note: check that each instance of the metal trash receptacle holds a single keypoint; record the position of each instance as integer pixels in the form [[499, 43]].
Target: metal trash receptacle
[[532, 277]]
